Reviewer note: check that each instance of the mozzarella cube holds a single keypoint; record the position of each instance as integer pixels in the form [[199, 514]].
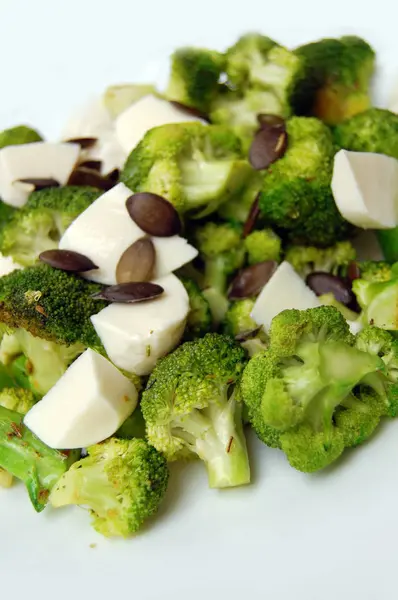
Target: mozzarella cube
[[283, 291], [149, 112], [105, 230], [34, 161], [365, 188], [87, 404], [7, 265], [135, 336]]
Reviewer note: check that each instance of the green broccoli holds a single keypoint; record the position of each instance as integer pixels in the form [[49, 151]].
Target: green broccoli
[[378, 300], [309, 372], [39, 225], [307, 259], [46, 316], [6, 213], [296, 197], [330, 300], [190, 408], [25, 457], [194, 77], [375, 270], [239, 324], [121, 481], [238, 207], [262, 245], [133, 427], [374, 130], [19, 135], [222, 249], [199, 320], [337, 76], [195, 167]]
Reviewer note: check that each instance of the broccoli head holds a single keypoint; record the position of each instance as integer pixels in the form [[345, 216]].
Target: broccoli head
[[294, 389], [122, 481], [25, 457], [199, 321], [337, 78], [307, 259], [194, 77], [40, 224], [191, 408], [45, 315], [18, 135], [17, 399], [239, 324], [222, 249], [374, 130], [375, 270], [263, 245], [195, 167], [296, 197], [6, 213]]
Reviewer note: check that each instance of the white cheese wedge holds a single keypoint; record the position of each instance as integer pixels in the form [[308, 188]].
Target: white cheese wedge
[[133, 123], [105, 230], [135, 336], [94, 120], [365, 188], [7, 265], [283, 291], [86, 405], [37, 160]]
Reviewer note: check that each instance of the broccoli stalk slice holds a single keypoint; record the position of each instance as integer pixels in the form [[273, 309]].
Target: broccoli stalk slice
[[215, 434], [379, 301], [23, 455]]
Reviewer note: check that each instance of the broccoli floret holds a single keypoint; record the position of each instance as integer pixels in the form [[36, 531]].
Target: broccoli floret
[[190, 407], [19, 135], [122, 481], [337, 78], [385, 383], [374, 130], [307, 259], [238, 207], [375, 270], [194, 77], [222, 249], [17, 399], [378, 300], [330, 300], [199, 321], [296, 198], [39, 225], [119, 97], [46, 315], [25, 457], [194, 166], [293, 390], [6, 213], [262, 245]]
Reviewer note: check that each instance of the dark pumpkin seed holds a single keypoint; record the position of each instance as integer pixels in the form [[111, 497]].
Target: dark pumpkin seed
[[190, 110], [94, 165], [268, 120], [40, 183], [84, 142], [153, 214], [247, 335], [67, 260], [83, 176], [250, 281], [128, 293], [269, 145], [113, 175], [326, 283], [137, 262], [252, 217]]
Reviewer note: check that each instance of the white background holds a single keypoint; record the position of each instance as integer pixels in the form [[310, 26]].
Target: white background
[[289, 536]]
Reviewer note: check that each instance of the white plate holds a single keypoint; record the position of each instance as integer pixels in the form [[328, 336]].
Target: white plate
[[289, 536]]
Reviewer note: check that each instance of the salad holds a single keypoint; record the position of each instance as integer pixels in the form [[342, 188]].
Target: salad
[[181, 266]]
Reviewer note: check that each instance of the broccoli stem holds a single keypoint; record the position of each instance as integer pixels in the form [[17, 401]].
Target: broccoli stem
[[23, 455], [216, 435]]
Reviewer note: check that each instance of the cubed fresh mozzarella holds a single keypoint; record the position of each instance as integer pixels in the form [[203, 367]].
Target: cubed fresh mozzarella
[[136, 335], [105, 230], [365, 188], [7, 265], [284, 290], [34, 161], [149, 112], [86, 405]]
